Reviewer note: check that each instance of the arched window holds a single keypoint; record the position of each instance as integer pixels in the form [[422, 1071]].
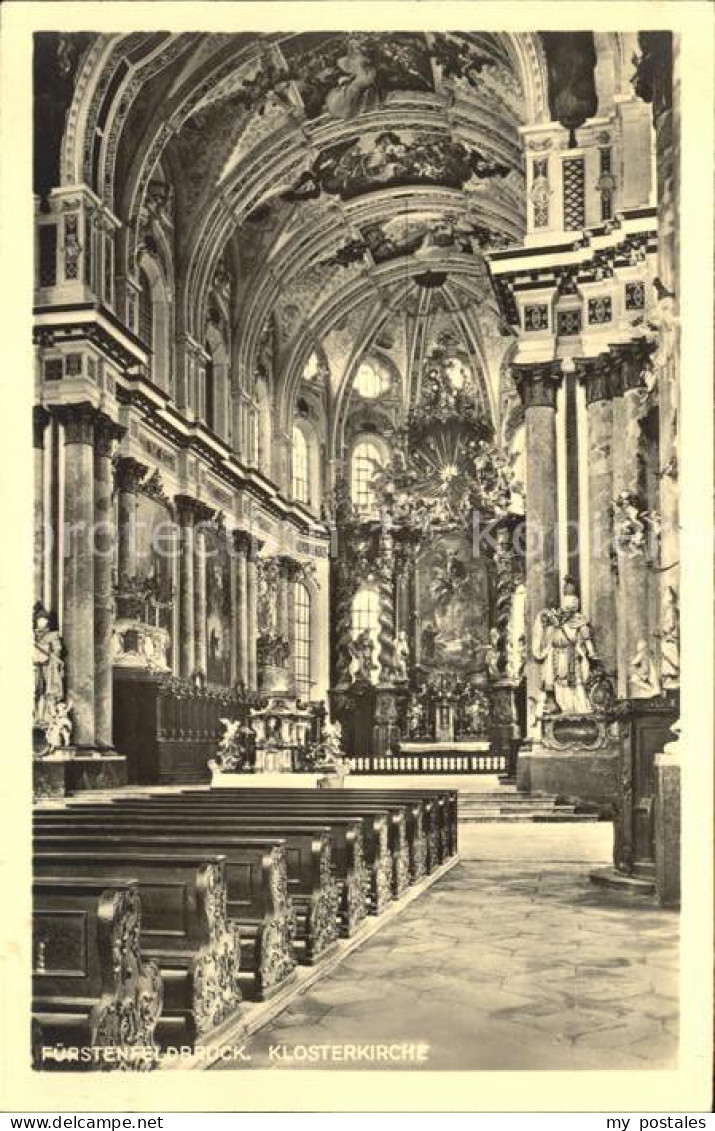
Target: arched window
[[210, 391], [154, 321], [262, 437], [301, 466], [146, 313], [371, 382], [301, 644], [366, 460], [365, 615]]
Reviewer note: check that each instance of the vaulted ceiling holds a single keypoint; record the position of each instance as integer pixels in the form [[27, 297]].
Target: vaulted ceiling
[[345, 182]]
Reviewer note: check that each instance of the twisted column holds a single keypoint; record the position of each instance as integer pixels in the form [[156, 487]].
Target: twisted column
[[386, 591]]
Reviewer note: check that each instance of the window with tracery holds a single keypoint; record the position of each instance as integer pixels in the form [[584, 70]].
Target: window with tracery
[[301, 467], [301, 642], [366, 460]]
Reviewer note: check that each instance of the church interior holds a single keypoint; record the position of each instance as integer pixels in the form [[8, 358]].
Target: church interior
[[356, 622]]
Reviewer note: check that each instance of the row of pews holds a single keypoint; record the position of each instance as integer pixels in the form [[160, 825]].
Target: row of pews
[[156, 915]]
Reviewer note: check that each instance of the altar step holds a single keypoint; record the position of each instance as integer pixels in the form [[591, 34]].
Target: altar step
[[507, 804]]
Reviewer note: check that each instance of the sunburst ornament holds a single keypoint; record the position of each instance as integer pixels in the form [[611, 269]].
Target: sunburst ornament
[[444, 467]]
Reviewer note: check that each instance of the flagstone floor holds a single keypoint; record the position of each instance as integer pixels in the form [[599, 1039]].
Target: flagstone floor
[[514, 960]]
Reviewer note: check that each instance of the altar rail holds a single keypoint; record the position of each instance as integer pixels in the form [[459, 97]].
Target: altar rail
[[424, 763]]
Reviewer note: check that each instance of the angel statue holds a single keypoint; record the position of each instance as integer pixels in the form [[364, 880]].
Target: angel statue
[[59, 725]]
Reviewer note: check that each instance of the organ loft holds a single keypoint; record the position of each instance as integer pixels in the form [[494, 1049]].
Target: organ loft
[[356, 467]]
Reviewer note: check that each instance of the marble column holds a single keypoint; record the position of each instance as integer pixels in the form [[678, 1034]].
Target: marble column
[[629, 360], [78, 591], [129, 473], [537, 384], [40, 420], [202, 517], [242, 645], [595, 374], [657, 81], [105, 435], [252, 616], [186, 511]]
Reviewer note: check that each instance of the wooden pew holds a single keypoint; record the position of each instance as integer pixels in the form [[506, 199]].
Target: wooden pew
[[345, 834], [184, 928], [91, 985], [257, 893], [307, 849], [357, 851], [378, 858], [391, 875]]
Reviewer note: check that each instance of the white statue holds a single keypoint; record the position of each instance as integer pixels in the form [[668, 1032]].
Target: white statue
[[402, 657], [59, 725], [48, 665], [562, 644], [670, 641], [643, 675]]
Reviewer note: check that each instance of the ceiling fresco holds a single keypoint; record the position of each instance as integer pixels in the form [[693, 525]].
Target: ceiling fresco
[[328, 162]]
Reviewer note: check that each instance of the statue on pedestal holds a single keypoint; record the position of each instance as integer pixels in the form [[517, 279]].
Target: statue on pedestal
[[562, 643], [51, 721], [402, 656], [48, 665]]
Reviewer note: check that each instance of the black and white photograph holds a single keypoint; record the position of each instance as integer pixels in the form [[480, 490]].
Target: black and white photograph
[[355, 736]]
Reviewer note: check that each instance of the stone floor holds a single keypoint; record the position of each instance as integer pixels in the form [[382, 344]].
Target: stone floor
[[514, 960]]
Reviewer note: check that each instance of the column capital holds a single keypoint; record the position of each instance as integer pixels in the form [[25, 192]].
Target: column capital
[[289, 567], [191, 511], [78, 421], [128, 474], [242, 541], [40, 420], [629, 359], [595, 374], [106, 432], [537, 382]]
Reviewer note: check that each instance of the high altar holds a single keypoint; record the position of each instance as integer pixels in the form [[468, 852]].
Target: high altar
[[442, 671]]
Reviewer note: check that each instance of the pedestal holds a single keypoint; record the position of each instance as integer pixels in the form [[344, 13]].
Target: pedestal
[[667, 827], [62, 775], [386, 729], [576, 757]]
